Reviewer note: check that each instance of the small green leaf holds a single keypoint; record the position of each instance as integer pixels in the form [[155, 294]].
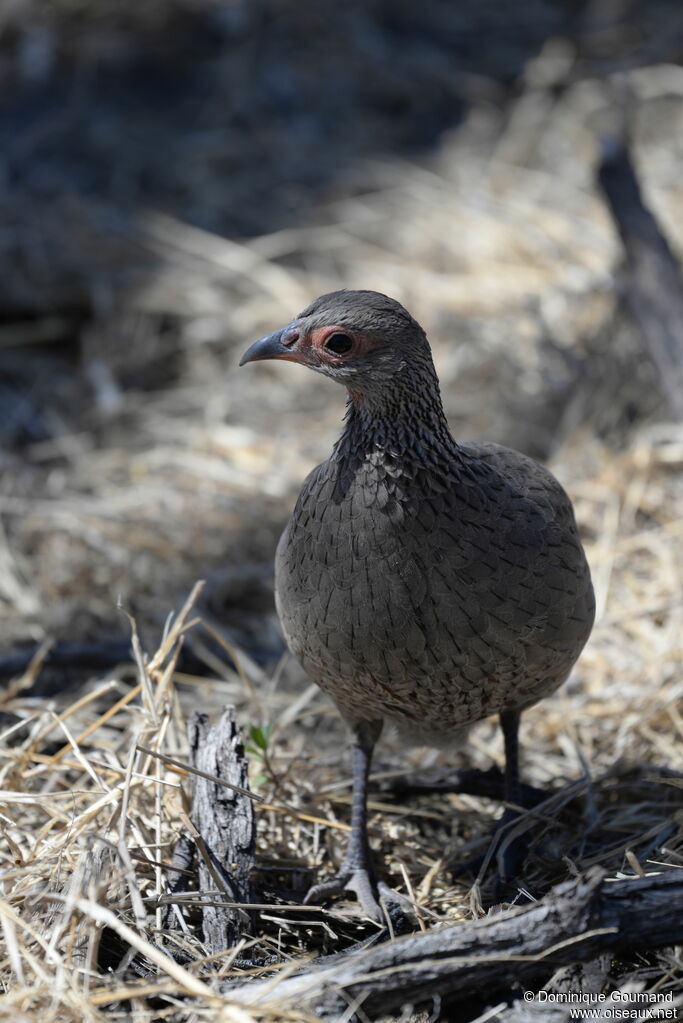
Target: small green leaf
[[259, 736]]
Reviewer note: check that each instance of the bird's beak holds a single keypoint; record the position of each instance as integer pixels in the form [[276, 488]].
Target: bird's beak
[[272, 347]]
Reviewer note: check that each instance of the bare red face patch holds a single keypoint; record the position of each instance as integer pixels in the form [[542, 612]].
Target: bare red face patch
[[335, 343]]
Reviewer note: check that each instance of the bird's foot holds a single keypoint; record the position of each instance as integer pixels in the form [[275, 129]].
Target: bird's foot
[[350, 877], [507, 851]]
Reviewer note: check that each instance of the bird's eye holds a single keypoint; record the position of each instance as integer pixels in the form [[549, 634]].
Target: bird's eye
[[339, 344]]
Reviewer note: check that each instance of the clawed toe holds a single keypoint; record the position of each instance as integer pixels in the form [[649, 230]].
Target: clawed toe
[[350, 879]]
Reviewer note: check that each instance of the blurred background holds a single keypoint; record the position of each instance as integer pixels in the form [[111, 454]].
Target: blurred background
[[178, 177]]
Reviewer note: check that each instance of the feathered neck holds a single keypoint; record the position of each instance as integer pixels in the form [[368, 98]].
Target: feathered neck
[[404, 421]]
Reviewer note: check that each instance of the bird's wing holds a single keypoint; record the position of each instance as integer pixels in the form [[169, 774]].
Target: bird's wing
[[530, 477]]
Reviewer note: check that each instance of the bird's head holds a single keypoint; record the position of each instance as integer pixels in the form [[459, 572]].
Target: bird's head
[[362, 339]]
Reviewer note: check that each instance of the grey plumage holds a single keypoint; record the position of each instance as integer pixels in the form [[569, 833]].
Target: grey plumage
[[423, 579]]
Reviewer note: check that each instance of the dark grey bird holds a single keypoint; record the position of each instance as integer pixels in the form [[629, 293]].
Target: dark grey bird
[[420, 581]]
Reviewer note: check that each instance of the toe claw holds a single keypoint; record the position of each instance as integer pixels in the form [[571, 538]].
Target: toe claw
[[363, 888], [356, 880], [324, 890]]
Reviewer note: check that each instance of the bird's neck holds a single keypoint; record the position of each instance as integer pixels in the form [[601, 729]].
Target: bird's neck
[[405, 421]]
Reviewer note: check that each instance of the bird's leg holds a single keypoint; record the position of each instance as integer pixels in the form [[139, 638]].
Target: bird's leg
[[356, 874], [509, 723], [509, 852]]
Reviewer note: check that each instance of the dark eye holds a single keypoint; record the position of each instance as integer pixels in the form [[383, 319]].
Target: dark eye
[[340, 344]]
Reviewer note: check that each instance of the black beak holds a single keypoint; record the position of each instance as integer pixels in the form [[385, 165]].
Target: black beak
[[269, 347]]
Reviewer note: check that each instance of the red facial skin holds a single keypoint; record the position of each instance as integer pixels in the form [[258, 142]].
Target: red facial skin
[[307, 348], [312, 345]]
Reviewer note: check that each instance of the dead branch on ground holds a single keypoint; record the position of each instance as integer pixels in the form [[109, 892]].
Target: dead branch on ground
[[502, 953]]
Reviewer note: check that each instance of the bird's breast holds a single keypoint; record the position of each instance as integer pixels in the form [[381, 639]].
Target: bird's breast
[[393, 592]]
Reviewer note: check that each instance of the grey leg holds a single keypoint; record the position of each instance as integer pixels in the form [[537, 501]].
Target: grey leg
[[509, 723], [355, 874], [510, 853]]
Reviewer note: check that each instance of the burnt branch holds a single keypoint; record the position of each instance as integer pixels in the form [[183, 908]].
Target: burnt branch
[[225, 838], [495, 957]]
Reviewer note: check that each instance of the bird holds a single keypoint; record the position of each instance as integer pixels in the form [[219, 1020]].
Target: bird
[[422, 582]]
